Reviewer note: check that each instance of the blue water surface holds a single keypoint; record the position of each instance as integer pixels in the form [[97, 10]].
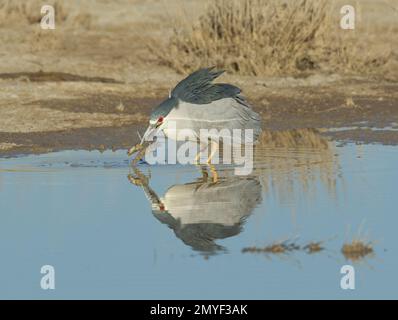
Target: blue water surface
[[108, 238]]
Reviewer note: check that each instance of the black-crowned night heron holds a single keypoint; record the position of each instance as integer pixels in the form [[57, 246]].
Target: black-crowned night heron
[[198, 103]]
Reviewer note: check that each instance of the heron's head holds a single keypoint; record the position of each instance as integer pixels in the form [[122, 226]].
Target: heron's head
[[159, 118], [157, 122]]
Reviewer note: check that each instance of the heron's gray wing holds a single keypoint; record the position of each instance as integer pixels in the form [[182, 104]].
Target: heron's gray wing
[[198, 88]]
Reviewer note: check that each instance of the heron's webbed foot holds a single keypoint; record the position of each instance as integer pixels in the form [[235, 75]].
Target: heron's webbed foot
[[214, 150]]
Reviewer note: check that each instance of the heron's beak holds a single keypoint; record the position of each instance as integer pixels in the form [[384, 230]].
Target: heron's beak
[[150, 133], [148, 137]]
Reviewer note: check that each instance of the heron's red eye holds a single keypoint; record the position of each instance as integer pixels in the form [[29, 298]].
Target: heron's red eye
[[160, 120]]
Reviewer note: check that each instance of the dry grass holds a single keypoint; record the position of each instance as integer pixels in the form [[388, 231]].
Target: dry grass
[[273, 37], [365, 50], [28, 12], [314, 247], [285, 247], [21, 12], [357, 250]]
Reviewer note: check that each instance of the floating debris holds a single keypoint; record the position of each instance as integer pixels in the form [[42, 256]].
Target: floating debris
[[357, 250], [313, 247], [252, 250], [275, 248], [287, 246]]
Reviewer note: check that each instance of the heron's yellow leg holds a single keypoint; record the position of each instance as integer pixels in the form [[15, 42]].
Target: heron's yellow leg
[[213, 148], [197, 159], [201, 149], [214, 172]]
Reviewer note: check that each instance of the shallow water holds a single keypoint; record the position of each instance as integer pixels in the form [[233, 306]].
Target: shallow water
[[178, 235]]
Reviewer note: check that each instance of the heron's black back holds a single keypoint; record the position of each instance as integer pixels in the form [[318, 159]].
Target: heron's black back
[[198, 88]]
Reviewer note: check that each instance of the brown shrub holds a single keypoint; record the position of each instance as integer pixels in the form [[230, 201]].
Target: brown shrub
[[272, 37]]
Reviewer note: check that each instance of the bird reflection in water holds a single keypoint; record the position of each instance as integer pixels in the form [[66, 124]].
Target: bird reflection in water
[[203, 211]]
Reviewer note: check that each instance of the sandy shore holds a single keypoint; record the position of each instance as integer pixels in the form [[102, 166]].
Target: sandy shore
[[92, 82]]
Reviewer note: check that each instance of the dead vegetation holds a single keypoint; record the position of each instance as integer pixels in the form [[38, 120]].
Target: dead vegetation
[[286, 247], [272, 37], [279, 247], [28, 12], [357, 250], [359, 247], [314, 247]]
